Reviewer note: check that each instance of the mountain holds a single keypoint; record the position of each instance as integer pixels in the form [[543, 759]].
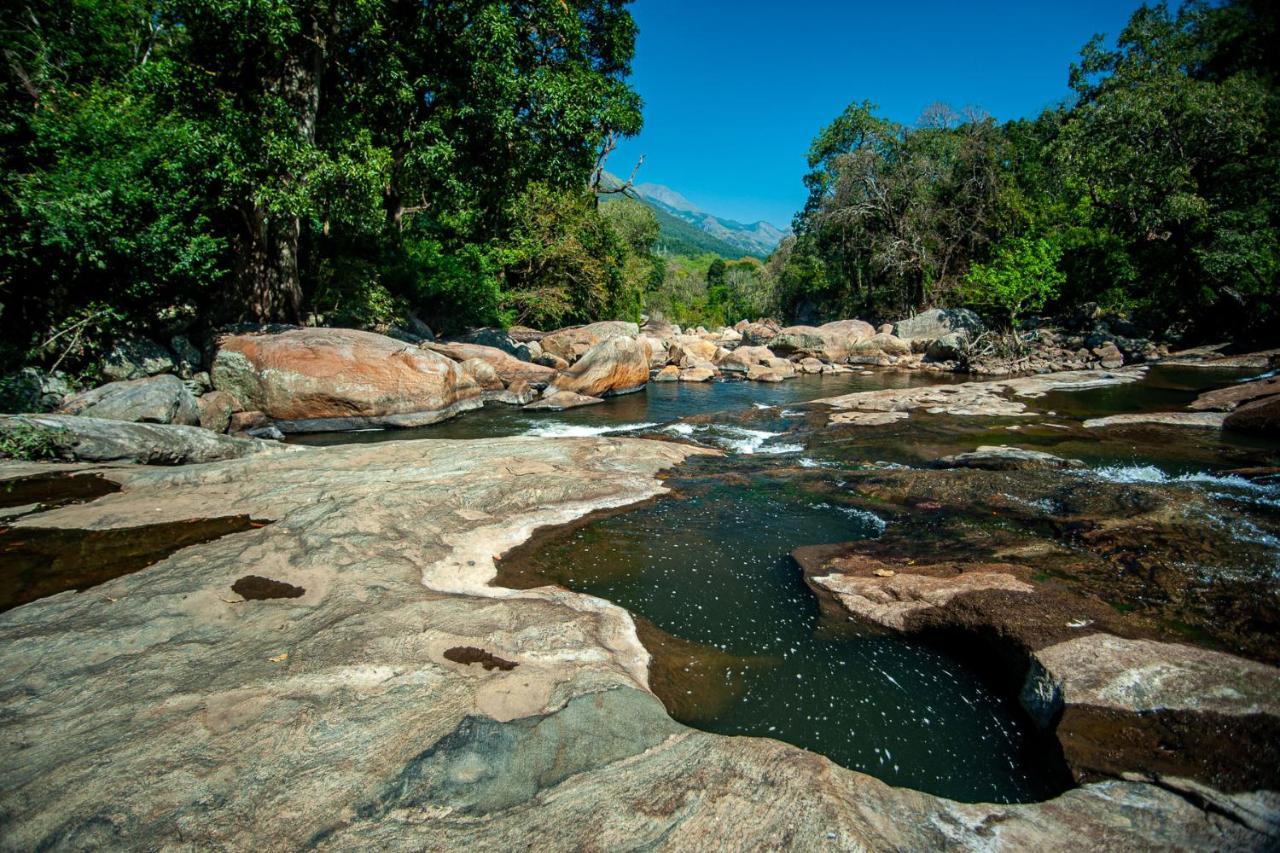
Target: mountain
[[688, 230]]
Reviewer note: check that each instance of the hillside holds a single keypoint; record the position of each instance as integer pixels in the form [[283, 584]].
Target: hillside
[[687, 230]]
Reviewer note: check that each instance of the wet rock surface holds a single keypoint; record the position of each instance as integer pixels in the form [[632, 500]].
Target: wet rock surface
[[84, 439]]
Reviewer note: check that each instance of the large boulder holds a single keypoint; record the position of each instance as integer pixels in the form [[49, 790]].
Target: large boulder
[[760, 332], [939, 322], [613, 366], [686, 351], [314, 380], [162, 399], [80, 439], [1259, 416], [508, 367], [136, 358], [949, 347], [573, 342], [497, 339], [33, 390], [842, 335], [799, 341]]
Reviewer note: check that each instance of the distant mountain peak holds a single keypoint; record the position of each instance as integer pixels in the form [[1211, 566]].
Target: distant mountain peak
[[729, 236]]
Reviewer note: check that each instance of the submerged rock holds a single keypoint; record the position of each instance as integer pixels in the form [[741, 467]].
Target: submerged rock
[[1202, 420], [558, 401], [1005, 458]]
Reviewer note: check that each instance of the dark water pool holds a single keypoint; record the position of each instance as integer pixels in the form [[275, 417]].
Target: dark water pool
[[714, 568]]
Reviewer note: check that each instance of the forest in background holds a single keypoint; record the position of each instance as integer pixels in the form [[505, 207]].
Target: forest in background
[[170, 166]]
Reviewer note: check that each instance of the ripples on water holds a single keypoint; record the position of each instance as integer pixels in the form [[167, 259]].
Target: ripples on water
[[716, 569]]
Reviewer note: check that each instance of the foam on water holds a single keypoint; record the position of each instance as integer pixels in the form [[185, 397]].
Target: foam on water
[[1152, 474], [557, 429]]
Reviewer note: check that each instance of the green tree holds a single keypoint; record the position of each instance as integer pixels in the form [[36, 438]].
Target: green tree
[[1022, 276]]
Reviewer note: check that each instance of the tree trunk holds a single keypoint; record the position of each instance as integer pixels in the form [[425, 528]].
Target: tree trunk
[[269, 282]]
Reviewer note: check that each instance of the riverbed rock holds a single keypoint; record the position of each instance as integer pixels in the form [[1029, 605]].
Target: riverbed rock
[[572, 343], [867, 418], [670, 373], [1004, 458], [1200, 420], [383, 736], [1260, 416], [555, 362], [498, 339], [136, 358], [482, 373], [508, 367], [617, 365], [799, 341], [686, 351], [759, 333], [216, 409], [558, 401], [763, 373], [939, 322], [75, 438], [160, 399], [1232, 396], [697, 374], [310, 380], [741, 359], [948, 347]]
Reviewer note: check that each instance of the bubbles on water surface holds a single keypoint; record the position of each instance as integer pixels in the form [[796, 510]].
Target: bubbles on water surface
[[716, 569]]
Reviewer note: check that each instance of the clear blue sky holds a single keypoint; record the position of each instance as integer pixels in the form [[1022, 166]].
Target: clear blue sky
[[734, 90]]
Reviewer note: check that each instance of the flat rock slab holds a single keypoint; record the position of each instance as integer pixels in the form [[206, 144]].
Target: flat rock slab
[[1005, 458], [1199, 420], [83, 439]]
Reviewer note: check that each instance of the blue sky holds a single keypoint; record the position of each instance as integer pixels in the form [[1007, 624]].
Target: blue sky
[[735, 90]]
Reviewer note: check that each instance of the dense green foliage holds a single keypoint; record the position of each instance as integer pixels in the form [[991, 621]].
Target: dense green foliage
[[1154, 192], [175, 160]]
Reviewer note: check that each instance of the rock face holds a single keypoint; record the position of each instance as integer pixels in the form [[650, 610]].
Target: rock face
[[386, 729], [1259, 416], [616, 365], [1232, 396], [572, 343], [508, 367], [160, 399], [82, 439], [136, 358], [938, 322], [310, 380], [216, 409]]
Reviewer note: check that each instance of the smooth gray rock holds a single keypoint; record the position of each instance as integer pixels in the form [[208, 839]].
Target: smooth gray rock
[[162, 399], [80, 439], [949, 347], [937, 322], [135, 358], [1004, 458]]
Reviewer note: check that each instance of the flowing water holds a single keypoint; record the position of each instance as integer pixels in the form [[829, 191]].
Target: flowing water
[[739, 641]]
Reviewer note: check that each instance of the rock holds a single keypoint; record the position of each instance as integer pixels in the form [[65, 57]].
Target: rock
[[310, 380], [810, 365], [189, 360], [571, 343], [518, 393], [763, 373], [1259, 416], [216, 409], [1109, 355], [1203, 420], [199, 384], [780, 366], [81, 439], [496, 339], [386, 731], [980, 398], [741, 359], [555, 362], [685, 351], [867, 418], [160, 399], [939, 322], [508, 367], [613, 366], [1232, 396], [482, 373], [137, 358], [525, 335], [799, 340], [33, 390], [729, 336], [268, 433], [534, 348], [841, 336], [557, 401], [891, 344], [949, 347], [697, 374], [1005, 458], [657, 350], [885, 329], [670, 373], [660, 329], [243, 422], [760, 332]]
